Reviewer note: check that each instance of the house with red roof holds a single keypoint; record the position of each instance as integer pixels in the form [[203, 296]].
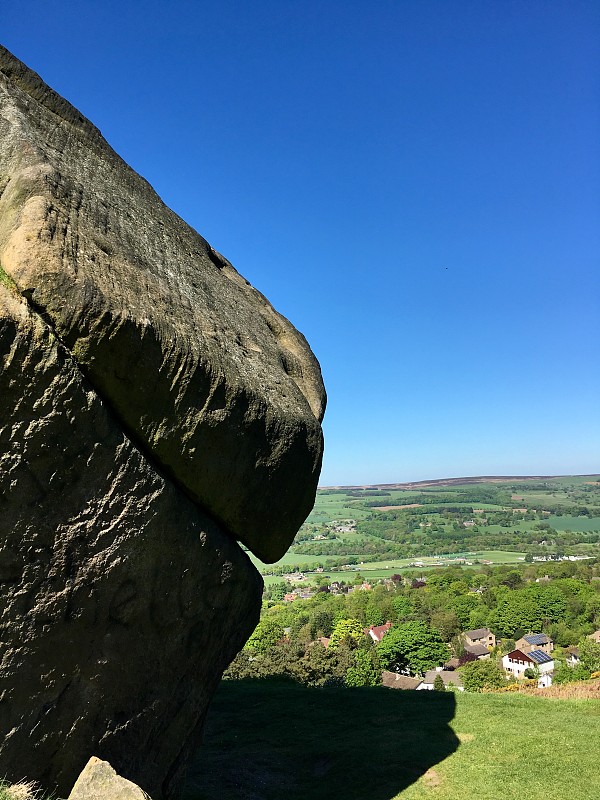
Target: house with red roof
[[377, 632], [517, 662]]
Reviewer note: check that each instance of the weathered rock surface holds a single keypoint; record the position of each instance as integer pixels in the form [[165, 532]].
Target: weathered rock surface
[[121, 602], [221, 390], [154, 408], [99, 781]]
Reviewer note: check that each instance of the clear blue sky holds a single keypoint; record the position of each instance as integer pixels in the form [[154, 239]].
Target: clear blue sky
[[416, 185]]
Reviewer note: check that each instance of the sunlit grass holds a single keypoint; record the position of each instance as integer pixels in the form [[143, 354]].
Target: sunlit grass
[[272, 740]]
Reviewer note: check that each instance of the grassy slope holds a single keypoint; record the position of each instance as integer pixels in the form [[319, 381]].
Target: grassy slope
[[272, 740]]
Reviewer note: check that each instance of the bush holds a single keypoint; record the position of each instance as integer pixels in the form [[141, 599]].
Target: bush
[[481, 676]]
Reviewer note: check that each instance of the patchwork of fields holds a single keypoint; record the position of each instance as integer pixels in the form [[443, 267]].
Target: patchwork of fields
[[384, 530]]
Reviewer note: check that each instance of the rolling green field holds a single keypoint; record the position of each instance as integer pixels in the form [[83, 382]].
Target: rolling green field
[[575, 523], [338, 506], [441, 524], [385, 569], [276, 740], [376, 570]]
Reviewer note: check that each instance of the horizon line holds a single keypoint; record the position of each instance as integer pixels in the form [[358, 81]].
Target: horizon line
[[433, 481]]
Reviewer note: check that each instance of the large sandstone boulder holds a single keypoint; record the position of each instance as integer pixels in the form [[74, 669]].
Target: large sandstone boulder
[[155, 408], [220, 390], [121, 601]]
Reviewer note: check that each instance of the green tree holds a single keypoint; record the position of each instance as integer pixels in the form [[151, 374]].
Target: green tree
[[365, 671], [344, 630], [463, 606], [277, 591], [438, 684], [402, 607], [563, 673], [447, 623], [266, 634], [532, 672], [374, 614], [321, 622], [413, 646], [527, 609], [589, 654], [478, 676]]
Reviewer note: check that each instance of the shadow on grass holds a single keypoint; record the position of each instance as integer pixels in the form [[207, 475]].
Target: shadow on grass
[[276, 740]]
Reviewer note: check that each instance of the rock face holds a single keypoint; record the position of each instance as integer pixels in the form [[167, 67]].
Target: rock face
[[99, 781], [221, 391], [155, 408]]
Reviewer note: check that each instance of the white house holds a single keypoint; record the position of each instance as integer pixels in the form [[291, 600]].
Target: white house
[[517, 662]]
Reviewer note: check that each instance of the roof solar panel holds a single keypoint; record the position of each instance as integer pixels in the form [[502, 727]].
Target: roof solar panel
[[536, 638], [539, 656]]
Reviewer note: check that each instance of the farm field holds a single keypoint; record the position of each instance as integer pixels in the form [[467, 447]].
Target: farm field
[[567, 523], [385, 569], [377, 570], [337, 506], [289, 559], [501, 520], [271, 739]]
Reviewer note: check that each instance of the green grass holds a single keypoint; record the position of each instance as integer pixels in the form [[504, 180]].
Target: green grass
[[290, 559], [335, 506], [574, 523], [374, 570], [24, 790], [273, 740], [385, 569], [8, 283], [499, 556]]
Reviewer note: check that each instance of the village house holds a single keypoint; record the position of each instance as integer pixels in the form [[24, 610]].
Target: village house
[[377, 632], [344, 525], [595, 637], [304, 594], [573, 656], [480, 651], [535, 641], [480, 636], [393, 680], [447, 676], [516, 662], [294, 577]]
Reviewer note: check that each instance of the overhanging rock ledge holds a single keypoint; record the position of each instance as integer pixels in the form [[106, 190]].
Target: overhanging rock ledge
[[155, 408]]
